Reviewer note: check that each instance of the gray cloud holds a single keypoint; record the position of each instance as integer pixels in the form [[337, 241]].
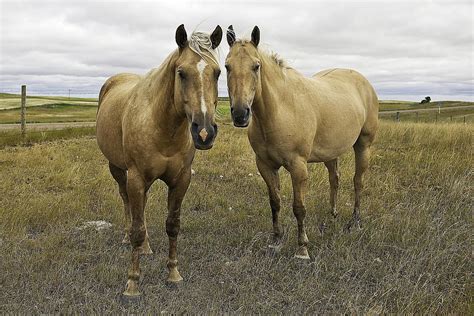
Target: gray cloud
[[407, 49]]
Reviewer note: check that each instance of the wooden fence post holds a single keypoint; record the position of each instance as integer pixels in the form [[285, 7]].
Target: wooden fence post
[[23, 110], [398, 116]]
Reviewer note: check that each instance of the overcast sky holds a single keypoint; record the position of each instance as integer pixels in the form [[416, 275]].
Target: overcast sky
[[407, 49]]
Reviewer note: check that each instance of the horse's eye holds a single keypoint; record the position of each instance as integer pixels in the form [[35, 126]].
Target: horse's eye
[[256, 67], [218, 73], [227, 67]]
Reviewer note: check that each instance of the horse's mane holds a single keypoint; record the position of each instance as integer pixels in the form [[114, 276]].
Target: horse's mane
[[201, 44], [278, 60], [274, 57]]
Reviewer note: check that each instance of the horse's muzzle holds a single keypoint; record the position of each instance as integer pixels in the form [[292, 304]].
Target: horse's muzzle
[[240, 116], [203, 136]]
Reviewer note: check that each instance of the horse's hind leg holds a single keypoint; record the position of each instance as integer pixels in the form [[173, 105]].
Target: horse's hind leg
[[362, 153], [120, 177], [272, 179], [333, 183]]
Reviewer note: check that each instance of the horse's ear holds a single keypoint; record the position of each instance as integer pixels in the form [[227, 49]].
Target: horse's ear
[[256, 36], [230, 35], [181, 36], [216, 37]]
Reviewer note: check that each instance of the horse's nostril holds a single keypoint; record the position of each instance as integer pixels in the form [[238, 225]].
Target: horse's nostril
[[247, 112], [231, 110]]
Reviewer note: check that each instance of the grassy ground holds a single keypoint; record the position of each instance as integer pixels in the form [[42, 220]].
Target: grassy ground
[[413, 254], [41, 109], [8, 100], [63, 109], [49, 113], [14, 138]]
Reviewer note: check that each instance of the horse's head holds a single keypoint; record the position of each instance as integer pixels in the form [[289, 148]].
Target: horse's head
[[196, 75], [243, 75]]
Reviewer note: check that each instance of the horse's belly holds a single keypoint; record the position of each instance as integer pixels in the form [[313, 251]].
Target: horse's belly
[[331, 144]]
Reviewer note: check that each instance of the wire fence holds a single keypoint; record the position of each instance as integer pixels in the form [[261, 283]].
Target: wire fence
[[432, 116]]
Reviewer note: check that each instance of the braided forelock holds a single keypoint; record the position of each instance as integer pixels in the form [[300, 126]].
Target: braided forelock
[[201, 44]]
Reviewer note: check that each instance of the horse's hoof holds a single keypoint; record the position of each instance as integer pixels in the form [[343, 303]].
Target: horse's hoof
[[145, 249], [174, 276], [131, 291], [302, 254], [352, 224], [126, 240], [133, 296]]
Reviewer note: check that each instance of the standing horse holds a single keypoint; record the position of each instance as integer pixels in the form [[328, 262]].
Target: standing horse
[[297, 120], [148, 128]]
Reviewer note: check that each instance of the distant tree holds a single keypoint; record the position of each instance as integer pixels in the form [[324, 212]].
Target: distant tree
[[426, 100]]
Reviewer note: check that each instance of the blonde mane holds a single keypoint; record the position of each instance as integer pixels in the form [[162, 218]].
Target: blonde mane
[[278, 60], [201, 44]]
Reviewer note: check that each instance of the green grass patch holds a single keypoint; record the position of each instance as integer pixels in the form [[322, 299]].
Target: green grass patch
[[52, 112]]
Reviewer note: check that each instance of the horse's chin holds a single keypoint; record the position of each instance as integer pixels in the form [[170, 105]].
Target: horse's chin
[[203, 147], [241, 125]]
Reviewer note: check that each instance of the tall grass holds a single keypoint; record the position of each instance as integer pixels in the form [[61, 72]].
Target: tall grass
[[14, 137], [413, 255]]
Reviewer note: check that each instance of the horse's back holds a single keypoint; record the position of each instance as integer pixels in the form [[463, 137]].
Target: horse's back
[[347, 107], [340, 77], [113, 100], [347, 88]]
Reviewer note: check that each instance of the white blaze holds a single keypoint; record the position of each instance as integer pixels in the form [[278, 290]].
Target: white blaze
[[201, 65]]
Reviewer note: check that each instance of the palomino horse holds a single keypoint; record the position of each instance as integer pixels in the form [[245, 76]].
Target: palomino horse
[[297, 120], [148, 128]]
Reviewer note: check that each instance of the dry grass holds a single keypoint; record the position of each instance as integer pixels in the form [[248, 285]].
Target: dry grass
[[14, 138], [412, 256]]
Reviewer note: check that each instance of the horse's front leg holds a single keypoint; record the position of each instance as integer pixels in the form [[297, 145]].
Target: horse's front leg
[[136, 191], [176, 191], [299, 178], [272, 179]]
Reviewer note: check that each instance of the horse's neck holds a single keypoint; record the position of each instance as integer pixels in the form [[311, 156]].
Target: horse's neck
[[268, 99], [160, 82]]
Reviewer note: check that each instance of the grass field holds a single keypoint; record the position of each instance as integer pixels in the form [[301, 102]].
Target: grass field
[[14, 137], [47, 109], [42, 109], [446, 115], [413, 255], [393, 105]]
